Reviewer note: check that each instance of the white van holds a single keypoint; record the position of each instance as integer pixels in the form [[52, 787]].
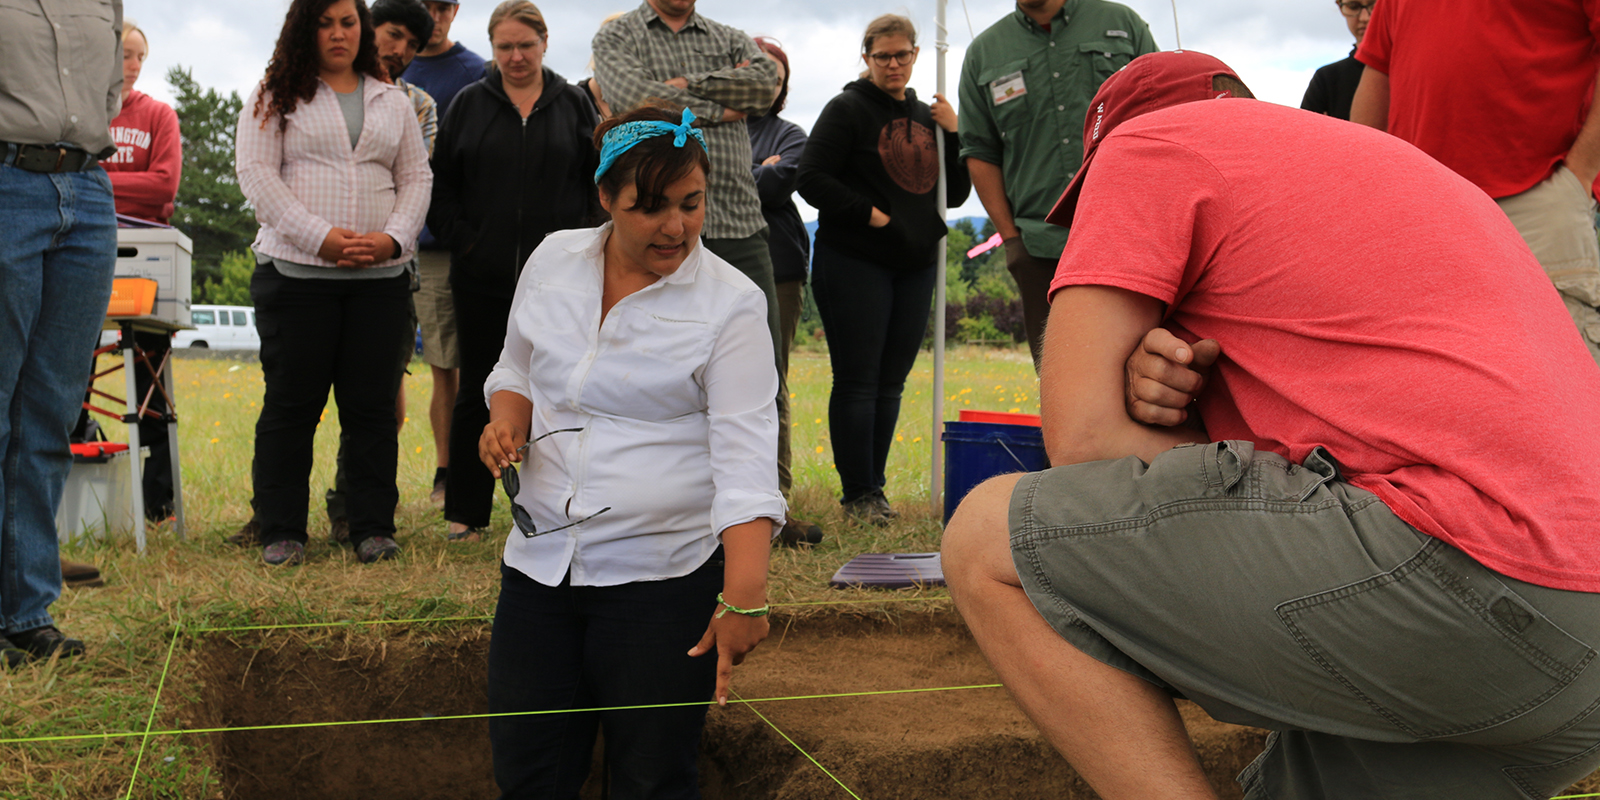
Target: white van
[[220, 328]]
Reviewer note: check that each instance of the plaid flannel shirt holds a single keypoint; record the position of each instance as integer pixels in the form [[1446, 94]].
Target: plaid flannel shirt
[[427, 111], [634, 54]]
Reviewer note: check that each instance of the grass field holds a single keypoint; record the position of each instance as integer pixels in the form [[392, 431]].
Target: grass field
[[201, 582]]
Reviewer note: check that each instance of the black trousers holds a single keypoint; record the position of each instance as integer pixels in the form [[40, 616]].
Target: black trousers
[[875, 319], [158, 503], [341, 479], [318, 334], [480, 336], [560, 647]]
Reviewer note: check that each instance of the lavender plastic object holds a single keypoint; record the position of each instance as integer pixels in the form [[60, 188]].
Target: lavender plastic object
[[890, 571]]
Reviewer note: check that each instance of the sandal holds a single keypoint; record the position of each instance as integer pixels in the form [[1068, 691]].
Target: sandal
[[467, 535]]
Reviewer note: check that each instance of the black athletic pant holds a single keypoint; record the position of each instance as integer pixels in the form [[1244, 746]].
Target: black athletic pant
[[480, 335], [317, 334]]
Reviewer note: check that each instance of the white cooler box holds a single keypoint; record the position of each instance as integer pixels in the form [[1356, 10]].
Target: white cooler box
[[162, 255], [98, 497]]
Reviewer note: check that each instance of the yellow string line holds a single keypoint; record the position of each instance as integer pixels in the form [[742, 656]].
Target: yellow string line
[[150, 721], [796, 746], [182, 731], [487, 617], [1574, 796]]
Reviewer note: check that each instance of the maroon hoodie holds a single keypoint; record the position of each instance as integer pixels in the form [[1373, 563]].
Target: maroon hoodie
[[144, 172]]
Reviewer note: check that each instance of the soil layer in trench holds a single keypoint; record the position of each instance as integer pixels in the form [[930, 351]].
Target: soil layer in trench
[[951, 744]]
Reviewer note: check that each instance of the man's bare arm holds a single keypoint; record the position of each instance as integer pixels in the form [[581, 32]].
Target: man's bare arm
[[1370, 107], [991, 186], [1584, 157], [1092, 331]]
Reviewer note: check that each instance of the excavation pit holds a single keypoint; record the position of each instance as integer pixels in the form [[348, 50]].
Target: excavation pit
[[947, 744]]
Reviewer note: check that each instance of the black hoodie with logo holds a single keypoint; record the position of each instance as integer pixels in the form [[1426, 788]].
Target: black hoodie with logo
[[501, 183], [869, 150]]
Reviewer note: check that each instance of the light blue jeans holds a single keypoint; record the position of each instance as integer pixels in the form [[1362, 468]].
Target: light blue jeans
[[58, 248]]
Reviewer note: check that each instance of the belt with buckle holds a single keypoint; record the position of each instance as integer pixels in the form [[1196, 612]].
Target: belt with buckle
[[47, 158]]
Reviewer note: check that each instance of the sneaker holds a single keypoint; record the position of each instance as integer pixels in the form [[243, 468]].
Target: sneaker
[[377, 548], [42, 643], [883, 506], [286, 553], [248, 535], [798, 534], [76, 576], [339, 531], [11, 655], [867, 510]]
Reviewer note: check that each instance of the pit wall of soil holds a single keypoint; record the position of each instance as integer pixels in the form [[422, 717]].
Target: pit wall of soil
[[927, 746]]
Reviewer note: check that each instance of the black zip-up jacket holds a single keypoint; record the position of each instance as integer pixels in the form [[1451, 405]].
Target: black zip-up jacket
[[502, 183], [870, 150]]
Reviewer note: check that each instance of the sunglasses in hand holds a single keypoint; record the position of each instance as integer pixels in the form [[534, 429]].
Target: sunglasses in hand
[[513, 485]]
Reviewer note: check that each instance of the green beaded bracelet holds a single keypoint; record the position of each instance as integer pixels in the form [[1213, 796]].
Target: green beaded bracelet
[[749, 612]]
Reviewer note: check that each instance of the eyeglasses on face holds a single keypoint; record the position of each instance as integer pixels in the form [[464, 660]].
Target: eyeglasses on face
[[510, 481], [525, 48], [903, 57], [1353, 8]]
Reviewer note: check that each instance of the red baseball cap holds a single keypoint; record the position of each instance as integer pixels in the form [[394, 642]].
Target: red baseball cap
[[1148, 83]]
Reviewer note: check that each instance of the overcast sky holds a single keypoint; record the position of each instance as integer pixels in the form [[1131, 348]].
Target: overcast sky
[[1272, 44]]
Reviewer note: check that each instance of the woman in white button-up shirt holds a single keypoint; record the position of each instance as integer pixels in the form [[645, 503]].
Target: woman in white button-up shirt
[[644, 362]]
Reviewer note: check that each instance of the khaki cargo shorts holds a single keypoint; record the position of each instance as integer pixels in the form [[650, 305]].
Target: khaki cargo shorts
[[1556, 219], [1387, 663], [436, 313]]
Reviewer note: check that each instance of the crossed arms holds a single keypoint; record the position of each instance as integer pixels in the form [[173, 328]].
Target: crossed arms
[[1113, 383], [746, 86]]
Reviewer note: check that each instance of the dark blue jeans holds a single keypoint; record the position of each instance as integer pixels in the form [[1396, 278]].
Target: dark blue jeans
[[561, 647], [875, 319], [58, 248]]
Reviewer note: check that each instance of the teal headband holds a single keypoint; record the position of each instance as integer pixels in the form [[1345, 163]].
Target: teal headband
[[622, 138]]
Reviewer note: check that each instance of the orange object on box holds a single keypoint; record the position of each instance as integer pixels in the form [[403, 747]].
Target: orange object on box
[[1002, 417], [132, 297], [97, 449]]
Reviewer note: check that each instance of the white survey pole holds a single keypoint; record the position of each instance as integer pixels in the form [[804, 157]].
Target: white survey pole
[[936, 468]]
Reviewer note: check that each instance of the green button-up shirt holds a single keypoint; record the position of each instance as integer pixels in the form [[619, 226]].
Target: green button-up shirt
[[1024, 94]]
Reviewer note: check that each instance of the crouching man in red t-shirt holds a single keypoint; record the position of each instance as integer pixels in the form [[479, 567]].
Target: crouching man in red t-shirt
[[1382, 547]]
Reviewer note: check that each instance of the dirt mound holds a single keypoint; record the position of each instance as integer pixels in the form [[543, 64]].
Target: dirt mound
[[951, 744]]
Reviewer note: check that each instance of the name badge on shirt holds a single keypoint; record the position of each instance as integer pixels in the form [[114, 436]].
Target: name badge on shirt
[[1119, 34], [1007, 88]]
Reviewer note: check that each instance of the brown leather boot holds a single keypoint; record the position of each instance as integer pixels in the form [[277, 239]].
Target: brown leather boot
[[76, 575]]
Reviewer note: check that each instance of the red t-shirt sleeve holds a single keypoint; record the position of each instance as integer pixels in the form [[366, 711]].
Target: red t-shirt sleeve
[[1145, 220], [1377, 43]]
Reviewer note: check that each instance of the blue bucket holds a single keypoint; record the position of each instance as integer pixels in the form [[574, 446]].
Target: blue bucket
[[977, 451]]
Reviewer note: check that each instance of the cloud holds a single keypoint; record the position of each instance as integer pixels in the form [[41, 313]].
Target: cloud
[[1274, 46]]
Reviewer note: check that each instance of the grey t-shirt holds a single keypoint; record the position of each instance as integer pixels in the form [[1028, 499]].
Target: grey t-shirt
[[354, 112]]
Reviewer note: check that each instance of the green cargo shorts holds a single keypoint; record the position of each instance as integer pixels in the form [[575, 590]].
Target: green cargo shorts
[[1387, 663]]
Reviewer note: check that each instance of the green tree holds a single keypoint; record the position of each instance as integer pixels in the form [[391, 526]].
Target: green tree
[[209, 208], [233, 285]]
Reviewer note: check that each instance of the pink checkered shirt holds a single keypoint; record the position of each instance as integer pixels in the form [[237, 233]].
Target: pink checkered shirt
[[305, 180]]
